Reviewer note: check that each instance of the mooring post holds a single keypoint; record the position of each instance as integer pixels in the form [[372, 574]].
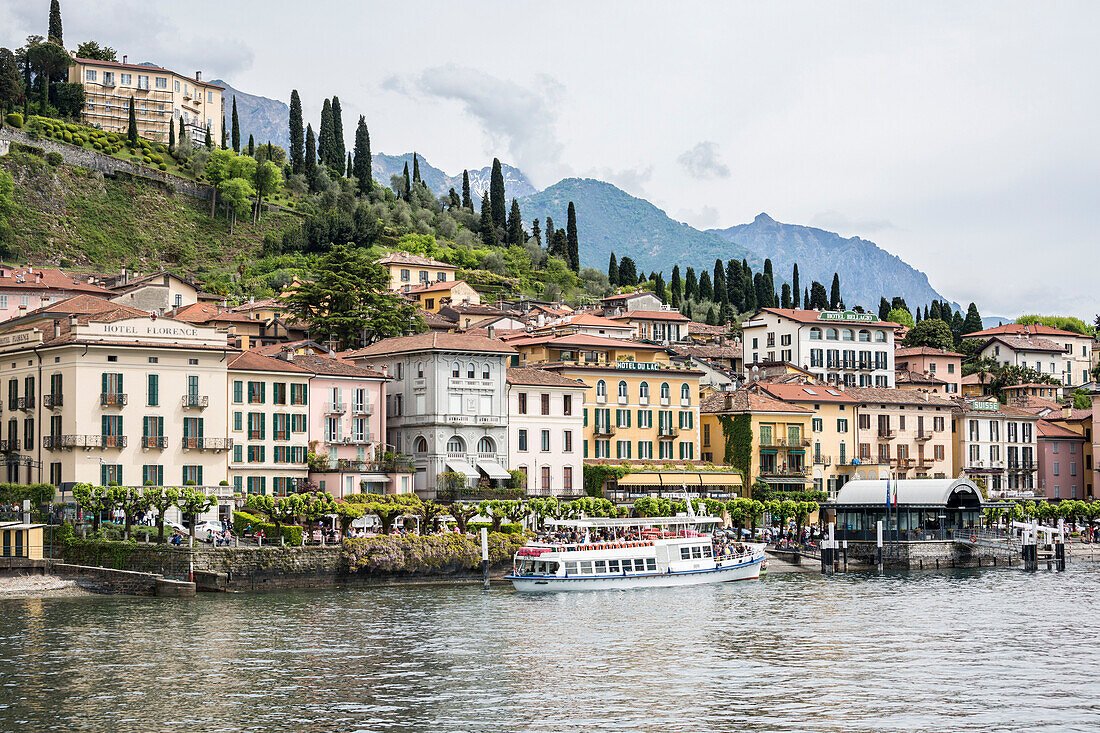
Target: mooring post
[[1060, 546], [485, 556], [878, 549], [845, 542]]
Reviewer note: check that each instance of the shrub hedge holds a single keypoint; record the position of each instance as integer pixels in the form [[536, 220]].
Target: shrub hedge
[[433, 554], [14, 119], [243, 520]]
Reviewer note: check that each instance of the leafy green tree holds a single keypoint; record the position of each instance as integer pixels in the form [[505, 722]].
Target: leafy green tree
[[237, 196], [309, 164], [11, 85], [1064, 323], [835, 300], [192, 502], [883, 309], [496, 195], [54, 35], [933, 333], [315, 505], [92, 500], [338, 147], [161, 499], [348, 300], [902, 316], [536, 233], [217, 171], [362, 164], [209, 141], [236, 136], [572, 246], [347, 512], [297, 134], [131, 126], [92, 50], [462, 514], [387, 513], [267, 180]]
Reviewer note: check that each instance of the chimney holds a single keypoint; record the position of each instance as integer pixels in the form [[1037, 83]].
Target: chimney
[[385, 370], [37, 277], [490, 329], [124, 57], [56, 329], [1066, 411], [198, 76], [22, 310]]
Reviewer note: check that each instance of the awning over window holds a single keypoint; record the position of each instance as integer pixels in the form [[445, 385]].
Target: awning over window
[[675, 480], [493, 469], [462, 467]]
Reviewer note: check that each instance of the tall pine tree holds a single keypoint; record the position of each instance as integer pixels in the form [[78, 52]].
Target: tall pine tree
[[131, 126], [251, 147], [496, 194], [467, 202], [785, 302], [406, 182], [733, 285], [362, 163], [536, 232], [706, 288], [225, 138], [171, 138], [628, 274], [572, 245], [236, 136], [676, 286], [297, 134], [350, 171], [973, 320], [883, 308], [338, 147], [416, 168], [324, 134]]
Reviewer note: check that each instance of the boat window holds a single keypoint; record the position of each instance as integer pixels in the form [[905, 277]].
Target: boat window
[[706, 552], [613, 566], [639, 565], [685, 553], [570, 568], [650, 563], [586, 566], [601, 566], [697, 552]]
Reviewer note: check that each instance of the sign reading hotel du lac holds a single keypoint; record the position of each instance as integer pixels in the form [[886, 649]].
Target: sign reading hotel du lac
[[851, 316], [638, 365]]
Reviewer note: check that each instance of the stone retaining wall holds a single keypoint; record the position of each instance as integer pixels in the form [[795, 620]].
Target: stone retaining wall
[[108, 580]]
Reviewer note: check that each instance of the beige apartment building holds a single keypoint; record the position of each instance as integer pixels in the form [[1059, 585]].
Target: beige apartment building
[[908, 431], [269, 422], [161, 98], [102, 393]]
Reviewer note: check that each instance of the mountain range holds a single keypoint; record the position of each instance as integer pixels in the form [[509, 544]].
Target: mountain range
[[611, 220]]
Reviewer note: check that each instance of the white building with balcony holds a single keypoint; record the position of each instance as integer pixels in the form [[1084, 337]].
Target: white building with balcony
[[546, 430], [996, 445], [446, 405], [839, 347]]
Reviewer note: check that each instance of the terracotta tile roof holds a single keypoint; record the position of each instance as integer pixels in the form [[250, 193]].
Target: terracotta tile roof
[[584, 340], [906, 376], [1048, 429], [1074, 415], [735, 351], [1028, 343], [923, 351], [706, 328], [328, 366], [974, 379], [589, 319], [48, 278], [434, 340], [134, 283], [479, 309], [206, 312], [541, 378], [278, 348], [1030, 385], [250, 361], [627, 296], [264, 304], [793, 392], [744, 401], [145, 68], [814, 317], [434, 287], [885, 395], [404, 258], [85, 305], [652, 316], [1020, 329], [500, 333]]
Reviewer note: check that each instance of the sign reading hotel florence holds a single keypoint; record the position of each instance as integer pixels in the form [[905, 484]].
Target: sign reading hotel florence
[[152, 330], [20, 339], [849, 316]]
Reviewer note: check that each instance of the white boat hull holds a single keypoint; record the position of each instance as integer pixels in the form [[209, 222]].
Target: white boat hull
[[742, 569]]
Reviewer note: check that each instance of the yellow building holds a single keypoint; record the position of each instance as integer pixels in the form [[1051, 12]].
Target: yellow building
[[161, 98], [409, 270], [780, 437], [21, 540], [434, 296], [654, 413]]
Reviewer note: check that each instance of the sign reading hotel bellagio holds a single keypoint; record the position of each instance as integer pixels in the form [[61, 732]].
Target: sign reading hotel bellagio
[[850, 316]]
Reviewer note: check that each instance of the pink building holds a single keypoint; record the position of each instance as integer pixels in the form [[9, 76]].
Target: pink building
[[1062, 467], [24, 289], [347, 427], [945, 366]]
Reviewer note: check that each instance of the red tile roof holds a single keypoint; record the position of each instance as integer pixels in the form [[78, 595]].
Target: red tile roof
[[541, 378], [1028, 343], [584, 340], [327, 366], [31, 278], [814, 317], [744, 401], [436, 341], [906, 376], [806, 392], [1048, 429], [652, 316], [708, 351], [887, 396], [1020, 329], [250, 361], [433, 287], [206, 312], [404, 258], [923, 351]]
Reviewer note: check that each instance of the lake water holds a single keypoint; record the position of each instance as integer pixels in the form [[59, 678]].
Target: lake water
[[936, 651]]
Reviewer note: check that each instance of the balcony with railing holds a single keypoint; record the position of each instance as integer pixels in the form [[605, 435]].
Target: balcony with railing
[[24, 403], [603, 430], [154, 441], [923, 435], [822, 460], [1023, 466], [52, 401], [887, 433], [668, 431], [784, 471], [195, 401], [902, 463], [54, 442], [362, 408], [215, 444], [335, 408], [113, 399]]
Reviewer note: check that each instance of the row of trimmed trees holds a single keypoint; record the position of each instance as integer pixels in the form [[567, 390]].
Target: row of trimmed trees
[[135, 502]]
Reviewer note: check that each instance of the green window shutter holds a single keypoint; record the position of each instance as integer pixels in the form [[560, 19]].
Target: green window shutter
[[618, 449], [198, 427], [119, 379], [585, 452], [103, 474], [104, 421], [263, 392], [585, 411], [262, 417], [104, 376], [145, 429]]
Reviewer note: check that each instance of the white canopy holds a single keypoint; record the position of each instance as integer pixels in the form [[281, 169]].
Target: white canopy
[[923, 491], [493, 470], [632, 521], [459, 466]]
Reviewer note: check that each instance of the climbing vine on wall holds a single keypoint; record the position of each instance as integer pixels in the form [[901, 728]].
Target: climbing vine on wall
[[737, 430]]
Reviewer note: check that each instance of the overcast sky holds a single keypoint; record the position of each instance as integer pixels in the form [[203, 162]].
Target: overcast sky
[[960, 136]]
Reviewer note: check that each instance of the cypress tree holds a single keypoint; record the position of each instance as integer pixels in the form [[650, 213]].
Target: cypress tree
[[628, 275], [496, 194], [467, 202], [883, 308], [536, 232], [225, 138], [131, 126], [768, 286], [819, 299], [720, 294], [171, 138], [54, 34], [712, 314], [515, 224], [573, 247], [706, 289], [898, 303], [768, 267], [677, 287], [733, 285], [251, 147], [351, 171], [338, 147], [324, 134], [806, 297], [309, 162], [749, 291], [182, 131], [786, 300], [613, 270], [486, 227], [834, 293], [958, 326], [934, 311], [973, 321], [236, 128], [724, 315], [763, 300], [691, 286], [550, 236], [659, 287], [209, 141], [794, 287], [362, 164], [916, 316], [559, 246], [407, 182], [297, 134], [416, 169]]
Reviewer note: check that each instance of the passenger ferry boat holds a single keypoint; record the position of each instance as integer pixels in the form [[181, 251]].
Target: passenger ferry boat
[[662, 552]]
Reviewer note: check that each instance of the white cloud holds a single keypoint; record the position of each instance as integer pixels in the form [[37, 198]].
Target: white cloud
[[703, 161], [847, 226], [631, 180], [705, 218]]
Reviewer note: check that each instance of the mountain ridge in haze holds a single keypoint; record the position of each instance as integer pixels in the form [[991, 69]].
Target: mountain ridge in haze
[[516, 184]]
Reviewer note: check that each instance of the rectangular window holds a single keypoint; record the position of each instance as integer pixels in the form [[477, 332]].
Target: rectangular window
[[256, 393], [842, 425], [110, 475], [278, 393], [297, 394], [256, 425], [545, 404], [544, 441], [567, 404], [192, 475], [89, 74], [162, 83], [237, 418], [523, 403], [238, 391], [152, 475], [522, 440], [238, 453], [567, 441]]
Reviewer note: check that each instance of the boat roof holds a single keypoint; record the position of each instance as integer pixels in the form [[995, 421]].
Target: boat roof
[[605, 522]]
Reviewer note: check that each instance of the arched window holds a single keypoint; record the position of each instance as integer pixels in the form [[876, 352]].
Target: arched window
[[421, 445], [455, 369], [880, 337], [685, 393], [484, 371], [815, 334], [847, 335], [601, 388], [486, 445], [830, 334], [643, 390], [864, 335], [666, 393], [456, 445], [622, 389], [419, 370], [470, 370]]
